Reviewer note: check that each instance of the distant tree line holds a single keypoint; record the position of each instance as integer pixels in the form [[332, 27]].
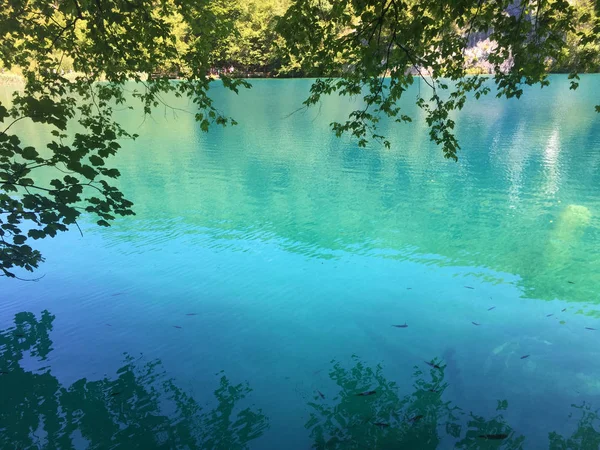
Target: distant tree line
[[255, 46]]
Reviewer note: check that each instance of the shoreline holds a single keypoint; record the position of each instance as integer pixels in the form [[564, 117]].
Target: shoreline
[[11, 79]]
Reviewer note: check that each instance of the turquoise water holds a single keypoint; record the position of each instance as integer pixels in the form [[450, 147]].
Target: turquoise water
[[253, 295]]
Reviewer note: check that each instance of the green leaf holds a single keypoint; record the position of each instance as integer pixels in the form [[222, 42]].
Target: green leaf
[[88, 172], [96, 160], [29, 153], [112, 173], [36, 234]]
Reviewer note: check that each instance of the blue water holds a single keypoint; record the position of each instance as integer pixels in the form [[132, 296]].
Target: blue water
[[296, 252]]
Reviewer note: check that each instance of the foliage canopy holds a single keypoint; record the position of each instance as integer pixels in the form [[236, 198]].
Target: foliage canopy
[[110, 42], [359, 47], [376, 49]]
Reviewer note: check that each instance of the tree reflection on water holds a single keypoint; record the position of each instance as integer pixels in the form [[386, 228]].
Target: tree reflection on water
[[140, 408], [419, 420]]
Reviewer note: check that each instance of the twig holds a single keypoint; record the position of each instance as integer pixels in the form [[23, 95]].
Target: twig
[[12, 123], [295, 111]]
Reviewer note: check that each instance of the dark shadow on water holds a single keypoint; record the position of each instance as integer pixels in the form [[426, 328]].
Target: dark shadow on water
[[140, 408], [388, 419], [143, 408], [587, 434]]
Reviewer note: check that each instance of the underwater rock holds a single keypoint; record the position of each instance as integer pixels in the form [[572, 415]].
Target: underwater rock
[[568, 229]]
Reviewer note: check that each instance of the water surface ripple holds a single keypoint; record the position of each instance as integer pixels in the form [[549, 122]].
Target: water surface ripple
[[252, 297]]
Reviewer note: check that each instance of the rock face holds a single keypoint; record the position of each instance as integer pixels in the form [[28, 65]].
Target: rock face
[[476, 57]]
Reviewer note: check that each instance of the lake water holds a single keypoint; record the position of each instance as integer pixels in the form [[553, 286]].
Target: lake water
[[253, 295]]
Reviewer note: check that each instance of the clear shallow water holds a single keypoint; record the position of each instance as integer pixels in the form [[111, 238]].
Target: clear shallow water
[[296, 252]]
